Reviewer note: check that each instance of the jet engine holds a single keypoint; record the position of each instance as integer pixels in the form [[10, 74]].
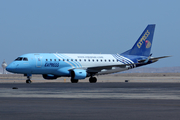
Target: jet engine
[[78, 74]]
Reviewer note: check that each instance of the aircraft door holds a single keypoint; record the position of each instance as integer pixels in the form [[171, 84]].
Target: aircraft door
[[38, 60]]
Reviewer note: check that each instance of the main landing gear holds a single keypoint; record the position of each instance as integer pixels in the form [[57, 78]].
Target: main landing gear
[[74, 80], [92, 79]]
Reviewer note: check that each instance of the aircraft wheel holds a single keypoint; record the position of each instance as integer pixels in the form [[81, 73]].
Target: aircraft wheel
[[28, 81], [74, 81], [92, 79]]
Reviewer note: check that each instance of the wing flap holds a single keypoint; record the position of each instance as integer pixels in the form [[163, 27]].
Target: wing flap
[[107, 67]]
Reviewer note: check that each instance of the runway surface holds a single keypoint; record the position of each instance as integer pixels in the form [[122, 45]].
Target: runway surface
[[101, 101]]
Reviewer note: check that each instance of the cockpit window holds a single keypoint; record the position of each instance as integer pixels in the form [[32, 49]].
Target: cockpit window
[[25, 59], [19, 59]]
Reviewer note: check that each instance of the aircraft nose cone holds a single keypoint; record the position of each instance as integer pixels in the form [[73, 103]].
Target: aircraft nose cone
[[10, 67]]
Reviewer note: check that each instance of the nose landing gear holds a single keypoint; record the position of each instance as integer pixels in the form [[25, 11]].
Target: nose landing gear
[[28, 81]]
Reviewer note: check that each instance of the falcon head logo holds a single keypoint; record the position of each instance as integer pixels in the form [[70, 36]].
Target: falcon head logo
[[148, 44]]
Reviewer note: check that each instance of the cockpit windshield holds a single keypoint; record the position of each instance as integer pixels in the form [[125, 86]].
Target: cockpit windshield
[[21, 58], [25, 59]]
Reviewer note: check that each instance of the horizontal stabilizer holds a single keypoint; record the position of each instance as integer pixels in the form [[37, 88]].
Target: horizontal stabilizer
[[152, 59]]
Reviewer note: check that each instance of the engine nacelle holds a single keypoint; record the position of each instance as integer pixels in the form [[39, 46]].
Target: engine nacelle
[[49, 76], [78, 74]]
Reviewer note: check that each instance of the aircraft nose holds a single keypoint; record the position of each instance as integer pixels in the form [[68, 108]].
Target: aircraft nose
[[11, 67]]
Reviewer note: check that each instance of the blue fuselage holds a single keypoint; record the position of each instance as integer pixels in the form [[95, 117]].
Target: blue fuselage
[[60, 64]]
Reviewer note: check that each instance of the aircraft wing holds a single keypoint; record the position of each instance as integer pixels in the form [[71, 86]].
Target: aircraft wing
[[97, 69], [153, 59]]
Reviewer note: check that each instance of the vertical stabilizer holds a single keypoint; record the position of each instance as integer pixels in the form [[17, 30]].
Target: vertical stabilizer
[[143, 45]]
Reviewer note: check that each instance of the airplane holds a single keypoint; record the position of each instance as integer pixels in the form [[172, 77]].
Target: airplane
[[80, 66]]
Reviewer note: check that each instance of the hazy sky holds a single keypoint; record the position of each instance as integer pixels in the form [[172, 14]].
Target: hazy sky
[[88, 26]]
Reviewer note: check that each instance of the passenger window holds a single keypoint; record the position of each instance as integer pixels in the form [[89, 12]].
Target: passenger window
[[25, 59], [105, 60], [89, 60], [67, 59], [54, 59], [93, 60], [59, 60], [79, 59], [109, 60], [71, 59], [75, 59], [97, 60], [46, 59], [63, 59], [117, 60], [50, 59], [101, 60], [85, 60]]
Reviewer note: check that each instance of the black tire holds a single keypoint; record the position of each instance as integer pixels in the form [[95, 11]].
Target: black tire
[[92, 79], [74, 81], [28, 81]]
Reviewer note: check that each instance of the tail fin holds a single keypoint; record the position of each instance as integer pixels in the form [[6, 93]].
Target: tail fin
[[143, 45]]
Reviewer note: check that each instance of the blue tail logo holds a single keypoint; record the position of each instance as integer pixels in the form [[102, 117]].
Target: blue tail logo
[[143, 39]]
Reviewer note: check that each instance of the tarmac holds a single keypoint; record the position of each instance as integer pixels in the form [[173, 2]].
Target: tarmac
[[96, 101]]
